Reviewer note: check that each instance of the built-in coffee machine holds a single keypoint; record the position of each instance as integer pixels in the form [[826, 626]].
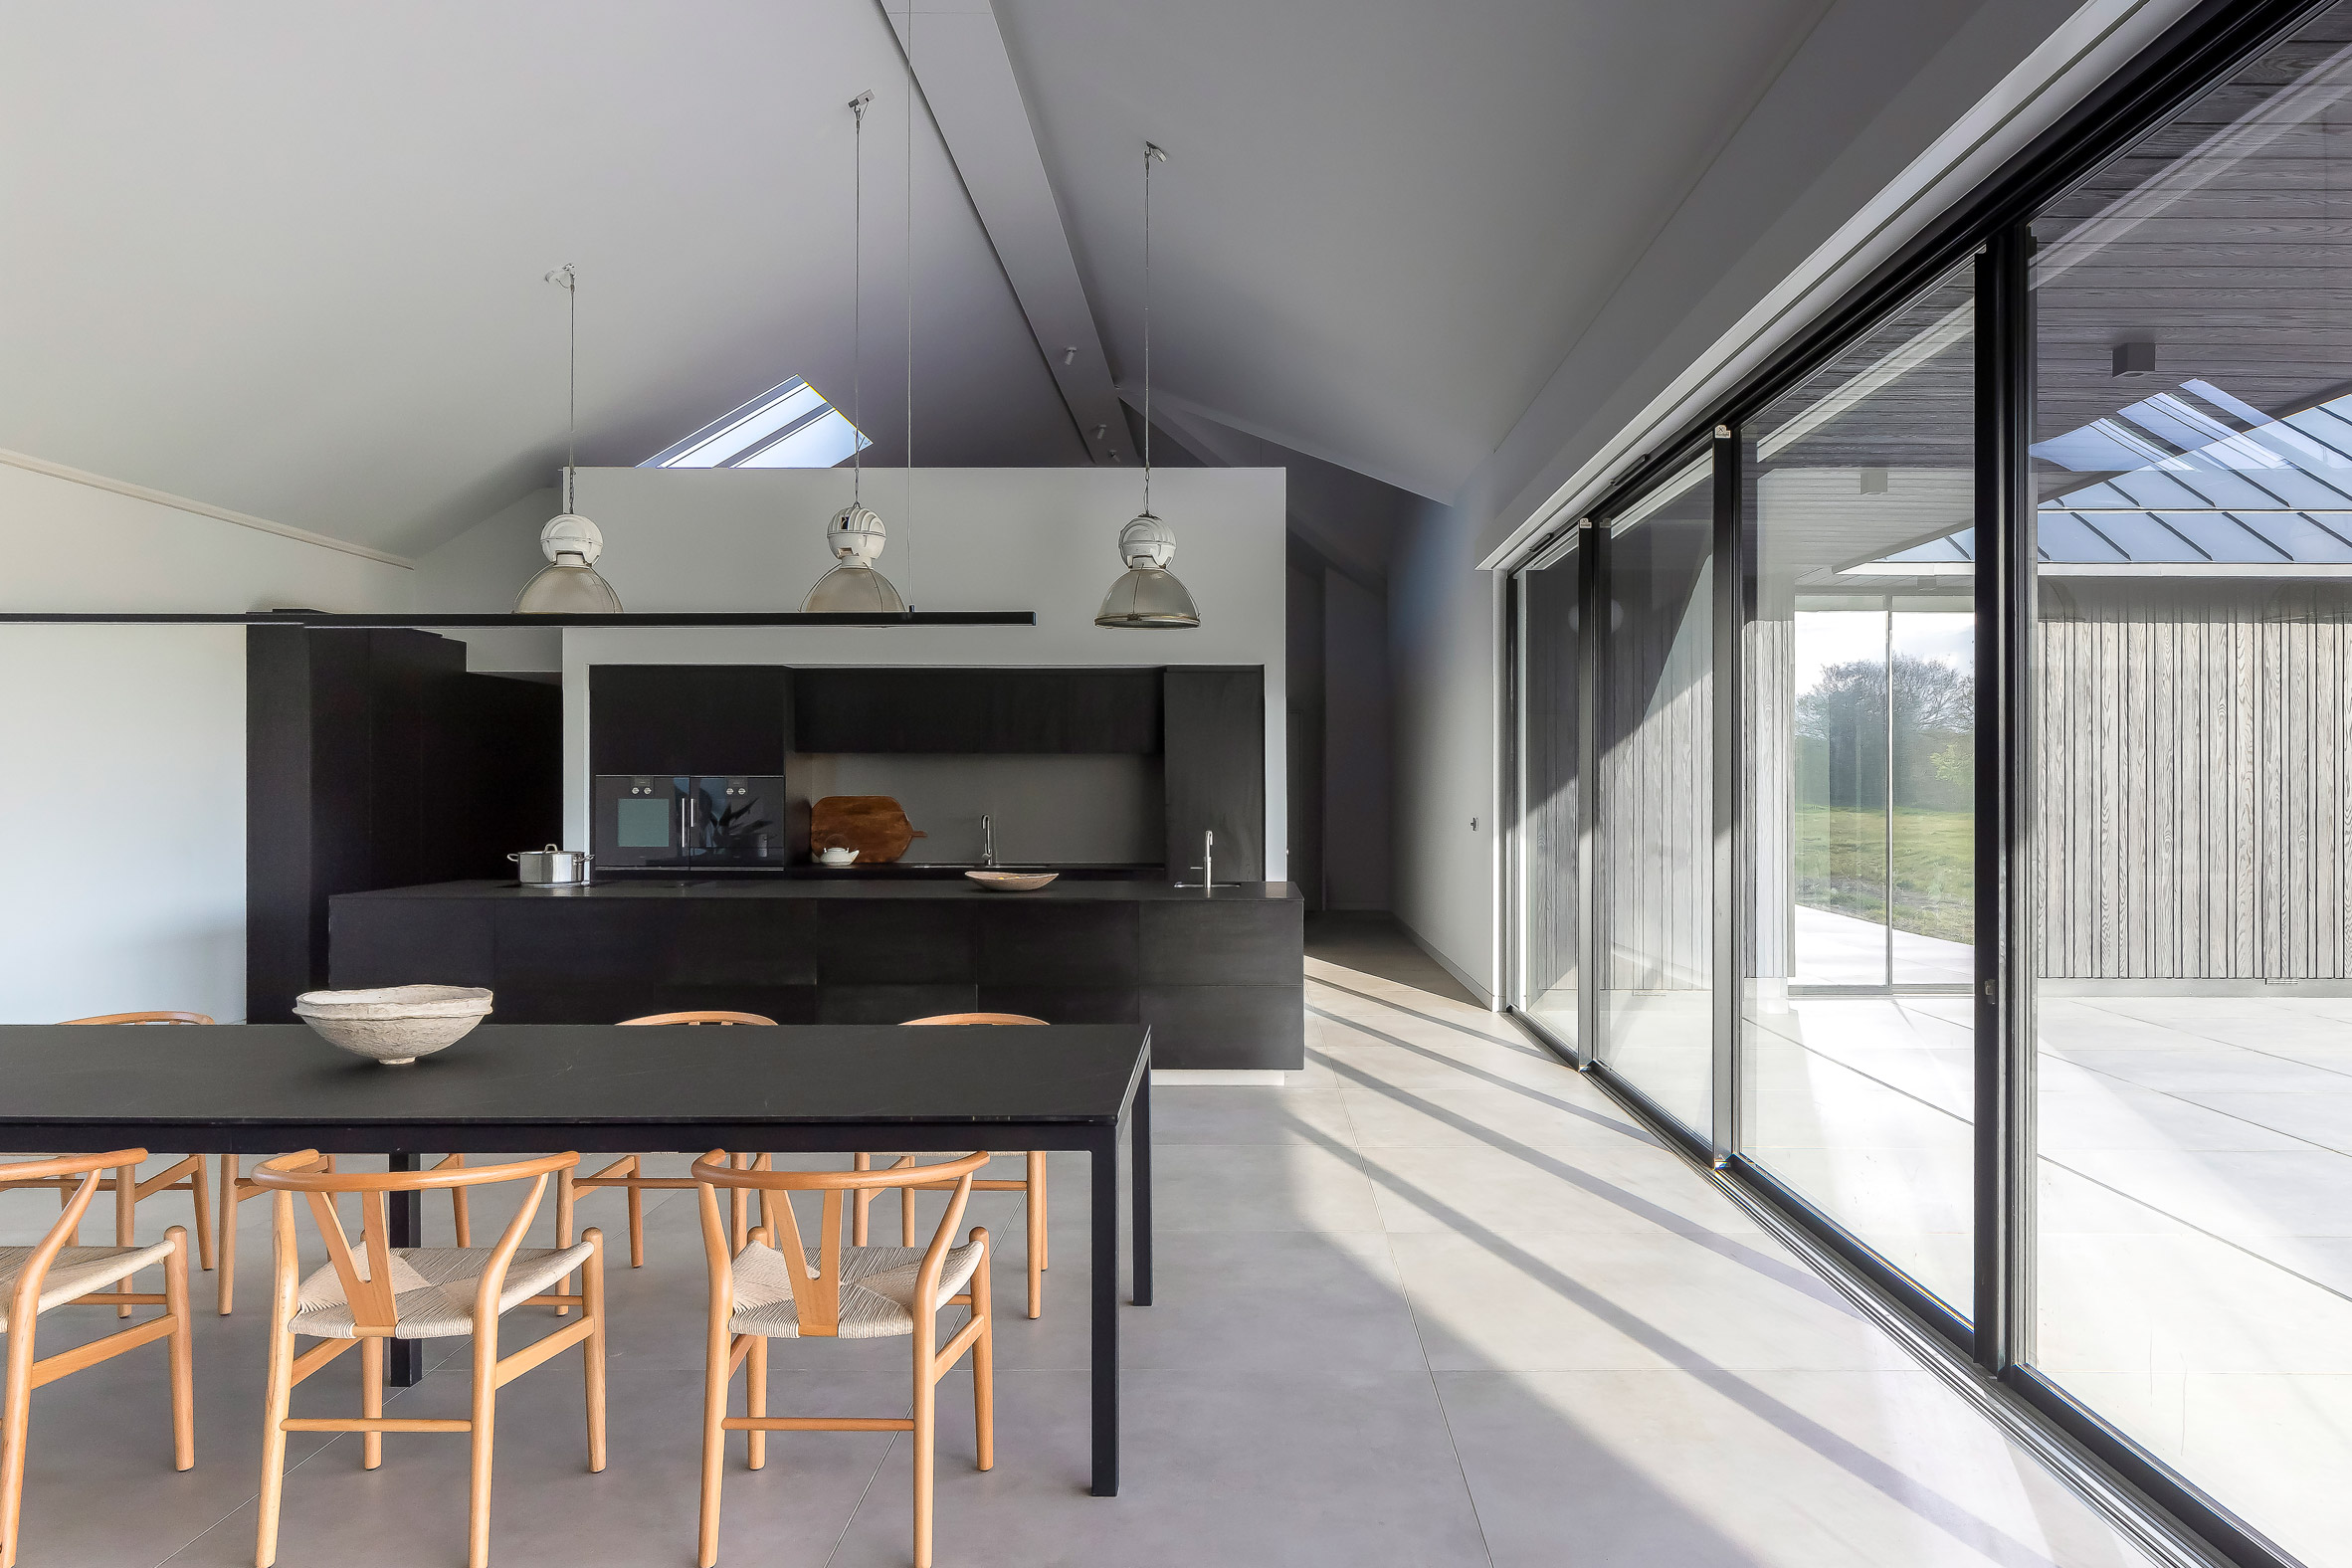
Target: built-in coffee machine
[[649, 821]]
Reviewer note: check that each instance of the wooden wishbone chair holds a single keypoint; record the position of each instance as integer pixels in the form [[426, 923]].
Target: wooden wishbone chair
[[35, 1279], [418, 1293], [1032, 1187], [235, 1187], [186, 1175], [775, 1286], [628, 1170]]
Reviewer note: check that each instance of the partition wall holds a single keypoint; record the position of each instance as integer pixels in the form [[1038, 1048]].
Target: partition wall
[[1934, 783]]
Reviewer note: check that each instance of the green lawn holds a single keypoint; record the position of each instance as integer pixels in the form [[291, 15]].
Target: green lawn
[[1841, 865]]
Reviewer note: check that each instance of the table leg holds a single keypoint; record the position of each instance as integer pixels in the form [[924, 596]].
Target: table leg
[[1105, 1159], [1139, 1178], [405, 1218]]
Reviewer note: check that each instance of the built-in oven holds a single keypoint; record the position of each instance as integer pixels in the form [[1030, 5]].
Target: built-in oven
[[688, 822]]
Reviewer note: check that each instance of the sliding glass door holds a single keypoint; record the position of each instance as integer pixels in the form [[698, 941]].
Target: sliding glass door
[[1856, 822], [1550, 622], [1655, 812], [2192, 675]]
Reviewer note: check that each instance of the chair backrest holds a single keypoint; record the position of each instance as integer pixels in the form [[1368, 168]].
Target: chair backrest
[[141, 1018], [370, 1295], [816, 1293], [705, 1017], [976, 1018], [89, 1167]]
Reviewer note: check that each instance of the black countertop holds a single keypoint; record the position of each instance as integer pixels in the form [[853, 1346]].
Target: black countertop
[[849, 886]]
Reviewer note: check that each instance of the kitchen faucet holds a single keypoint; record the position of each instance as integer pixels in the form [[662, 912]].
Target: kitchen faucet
[[1208, 866], [987, 840]]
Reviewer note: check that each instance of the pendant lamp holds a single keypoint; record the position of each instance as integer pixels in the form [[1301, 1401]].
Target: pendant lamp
[[856, 535], [1148, 597], [568, 584]]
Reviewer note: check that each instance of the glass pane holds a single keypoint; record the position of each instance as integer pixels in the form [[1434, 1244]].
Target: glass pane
[[1655, 810], [1551, 818], [2193, 752], [1858, 756], [1838, 736], [1932, 742]]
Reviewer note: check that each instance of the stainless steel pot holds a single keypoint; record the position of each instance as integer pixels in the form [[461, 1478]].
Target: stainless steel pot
[[550, 866]]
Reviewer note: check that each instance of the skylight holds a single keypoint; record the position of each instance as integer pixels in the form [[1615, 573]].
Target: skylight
[[786, 427], [2181, 490]]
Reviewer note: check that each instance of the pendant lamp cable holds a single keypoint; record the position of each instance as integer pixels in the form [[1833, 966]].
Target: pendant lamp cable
[[858, 298], [1151, 156], [909, 57]]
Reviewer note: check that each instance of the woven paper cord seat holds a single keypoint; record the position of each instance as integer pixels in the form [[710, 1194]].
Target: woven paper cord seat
[[75, 1271], [876, 1289], [432, 1288]]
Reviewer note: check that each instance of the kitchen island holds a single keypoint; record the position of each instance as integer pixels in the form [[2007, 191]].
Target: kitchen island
[[1218, 977]]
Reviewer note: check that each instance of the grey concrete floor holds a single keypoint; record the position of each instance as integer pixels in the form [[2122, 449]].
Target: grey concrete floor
[[1436, 1302]]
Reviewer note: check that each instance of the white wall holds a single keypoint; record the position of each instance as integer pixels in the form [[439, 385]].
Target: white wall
[[484, 570], [1358, 828], [1869, 94], [123, 748], [1042, 540], [1441, 626]]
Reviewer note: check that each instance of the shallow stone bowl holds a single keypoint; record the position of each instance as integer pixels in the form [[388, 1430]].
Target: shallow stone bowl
[[397, 1024], [1012, 881]]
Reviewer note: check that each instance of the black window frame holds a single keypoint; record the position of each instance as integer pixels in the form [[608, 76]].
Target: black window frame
[[1990, 1350]]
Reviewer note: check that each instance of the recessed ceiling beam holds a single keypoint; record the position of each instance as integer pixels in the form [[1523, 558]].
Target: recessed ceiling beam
[[966, 77]]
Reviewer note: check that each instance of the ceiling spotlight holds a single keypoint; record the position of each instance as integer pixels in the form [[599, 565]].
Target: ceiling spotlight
[[2135, 358]]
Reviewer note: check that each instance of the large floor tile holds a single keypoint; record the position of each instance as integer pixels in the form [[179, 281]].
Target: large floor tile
[[1599, 1300], [1807, 1469], [1511, 1190], [1332, 1467]]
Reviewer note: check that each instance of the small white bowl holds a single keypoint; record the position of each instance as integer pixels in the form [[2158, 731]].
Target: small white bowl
[[1012, 881], [837, 857], [397, 1024]]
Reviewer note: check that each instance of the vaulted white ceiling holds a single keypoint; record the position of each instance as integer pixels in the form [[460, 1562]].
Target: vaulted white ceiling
[[287, 258]]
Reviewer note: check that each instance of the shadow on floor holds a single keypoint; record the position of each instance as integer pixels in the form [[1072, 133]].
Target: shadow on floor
[[1372, 942]]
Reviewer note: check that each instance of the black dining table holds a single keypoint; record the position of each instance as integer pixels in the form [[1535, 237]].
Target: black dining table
[[267, 1088]]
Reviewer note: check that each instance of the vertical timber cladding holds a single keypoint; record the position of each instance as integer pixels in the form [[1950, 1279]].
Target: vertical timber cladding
[[1657, 711], [2195, 810]]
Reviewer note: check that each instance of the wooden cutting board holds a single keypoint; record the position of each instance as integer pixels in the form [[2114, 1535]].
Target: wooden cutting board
[[872, 824]]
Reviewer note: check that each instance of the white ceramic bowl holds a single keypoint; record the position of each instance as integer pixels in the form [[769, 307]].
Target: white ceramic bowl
[[396, 1024], [837, 857], [1012, 881]]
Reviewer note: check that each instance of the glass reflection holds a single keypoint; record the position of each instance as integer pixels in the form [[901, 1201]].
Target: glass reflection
[[1655, 816], [1858, 762], [1550, 805], [2193, 749]]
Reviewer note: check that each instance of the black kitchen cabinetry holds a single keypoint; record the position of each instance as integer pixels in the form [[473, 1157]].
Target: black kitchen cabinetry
[[1207, 723], [1214, 769], [1220, 979], [374, 759], [689, 719], [866, 710]]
